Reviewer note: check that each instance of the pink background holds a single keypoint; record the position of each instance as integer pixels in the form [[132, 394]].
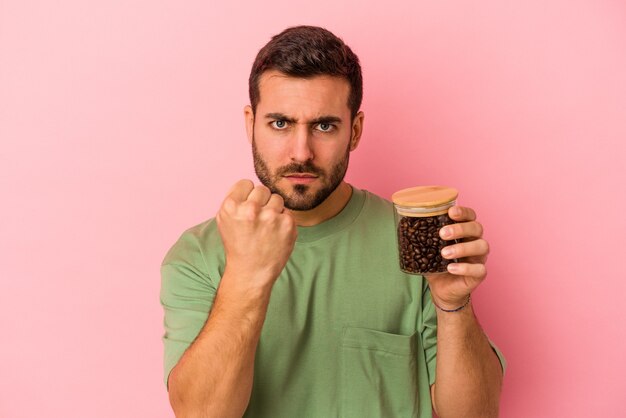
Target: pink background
[[121, 125]]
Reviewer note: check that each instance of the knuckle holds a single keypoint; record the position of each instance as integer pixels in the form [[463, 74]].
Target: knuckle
[[268, 216], [482, 270], [479, 229], [476, 270], [461, 269], [249, 210], [247, 183], [287, 222], [262, 188], [485, 245], [286, 219], [243, 185], [278, 198], [275, 203], [229, 204]]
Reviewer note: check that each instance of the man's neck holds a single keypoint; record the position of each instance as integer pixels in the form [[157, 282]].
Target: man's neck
[[333, 204]]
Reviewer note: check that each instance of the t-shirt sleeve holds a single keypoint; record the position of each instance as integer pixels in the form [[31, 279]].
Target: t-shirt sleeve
[[187, 295], [500, 356], [429, 332]]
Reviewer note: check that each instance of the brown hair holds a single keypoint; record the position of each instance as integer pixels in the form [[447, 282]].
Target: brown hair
[[307, 51]]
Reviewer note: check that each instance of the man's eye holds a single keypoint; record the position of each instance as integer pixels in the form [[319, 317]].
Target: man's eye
[[279, 124], [325, 127]]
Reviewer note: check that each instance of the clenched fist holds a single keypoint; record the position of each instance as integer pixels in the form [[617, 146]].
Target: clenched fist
[[258, 234]]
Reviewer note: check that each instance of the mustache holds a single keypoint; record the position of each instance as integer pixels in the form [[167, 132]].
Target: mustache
[[306, 167]]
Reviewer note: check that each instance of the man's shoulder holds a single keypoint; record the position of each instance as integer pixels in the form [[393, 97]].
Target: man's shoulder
[[377, 204], [203, 230], [194, 241], [376, 197]]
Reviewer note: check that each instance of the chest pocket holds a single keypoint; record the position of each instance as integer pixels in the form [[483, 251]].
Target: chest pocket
[[378, 374]]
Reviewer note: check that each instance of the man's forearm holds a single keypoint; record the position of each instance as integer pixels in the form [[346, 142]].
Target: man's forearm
[[214, 376], [469, 374]]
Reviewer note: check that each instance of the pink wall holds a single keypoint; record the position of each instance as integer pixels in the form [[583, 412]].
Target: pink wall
[[121, 125]]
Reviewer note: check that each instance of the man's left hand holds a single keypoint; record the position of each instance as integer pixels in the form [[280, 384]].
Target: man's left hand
[[451, 289]]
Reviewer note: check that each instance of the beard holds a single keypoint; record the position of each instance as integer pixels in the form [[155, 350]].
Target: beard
[[301, 197]]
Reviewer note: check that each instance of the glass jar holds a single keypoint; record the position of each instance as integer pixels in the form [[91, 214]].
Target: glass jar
[[420, 213]]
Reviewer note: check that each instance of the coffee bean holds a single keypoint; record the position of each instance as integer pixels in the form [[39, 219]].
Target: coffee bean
[[420, 245]]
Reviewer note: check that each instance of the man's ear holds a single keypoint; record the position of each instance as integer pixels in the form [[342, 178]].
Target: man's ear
[[248, 115], [357, 130]]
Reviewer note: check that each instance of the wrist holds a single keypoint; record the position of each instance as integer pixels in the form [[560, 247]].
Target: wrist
[[245, 286], [263, 274], [453, 306]]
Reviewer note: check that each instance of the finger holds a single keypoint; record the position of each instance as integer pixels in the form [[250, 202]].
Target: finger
[[475, 272], [460, 213], [240, 190], [477, 248], [461, 230], [260, 194], [276, 202]]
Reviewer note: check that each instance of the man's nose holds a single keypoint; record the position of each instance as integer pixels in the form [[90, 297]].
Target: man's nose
[[301, 149]]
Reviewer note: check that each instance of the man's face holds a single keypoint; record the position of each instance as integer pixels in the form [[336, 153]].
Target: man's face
[[302, 135]]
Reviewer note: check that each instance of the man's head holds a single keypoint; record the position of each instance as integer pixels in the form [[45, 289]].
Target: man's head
[[305, 93], [307, 51]]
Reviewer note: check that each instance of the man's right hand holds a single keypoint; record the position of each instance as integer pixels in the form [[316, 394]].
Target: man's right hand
[[258, 234], [215, 374]]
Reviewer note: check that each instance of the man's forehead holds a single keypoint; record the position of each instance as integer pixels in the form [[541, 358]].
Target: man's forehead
[[321, 91]]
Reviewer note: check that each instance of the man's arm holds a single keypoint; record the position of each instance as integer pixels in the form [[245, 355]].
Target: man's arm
[[468, 371], [213, 378], [469, 374]]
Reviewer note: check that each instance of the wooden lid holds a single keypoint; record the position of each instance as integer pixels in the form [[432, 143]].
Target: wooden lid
[[424, 196]]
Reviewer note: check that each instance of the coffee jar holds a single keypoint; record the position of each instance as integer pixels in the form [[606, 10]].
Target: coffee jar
[[420, 213]]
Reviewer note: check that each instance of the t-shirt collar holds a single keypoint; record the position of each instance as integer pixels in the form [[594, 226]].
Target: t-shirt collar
[[335, 224]]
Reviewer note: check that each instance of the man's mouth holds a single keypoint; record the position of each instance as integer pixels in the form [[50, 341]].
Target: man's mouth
[[301, 178], [306, 175]]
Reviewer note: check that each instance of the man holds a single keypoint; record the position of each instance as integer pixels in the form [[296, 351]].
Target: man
[[290, 302]]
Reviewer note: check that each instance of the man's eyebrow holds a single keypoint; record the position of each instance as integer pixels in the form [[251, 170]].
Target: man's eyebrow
[[279, 116], [321, 119], [326, 119]]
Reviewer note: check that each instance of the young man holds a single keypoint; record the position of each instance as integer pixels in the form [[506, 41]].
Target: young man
[[290, 302]]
